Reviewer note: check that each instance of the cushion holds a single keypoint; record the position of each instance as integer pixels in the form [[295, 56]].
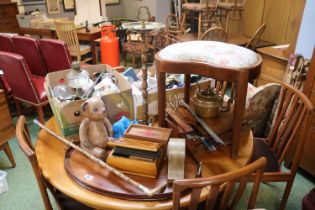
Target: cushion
[[211, 52], [308, 202], [259, 103], [38, 83], [262, 149]]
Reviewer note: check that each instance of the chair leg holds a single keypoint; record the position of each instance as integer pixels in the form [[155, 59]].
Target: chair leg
[[40, 114], [18, 106], [9, 153], [199, 25], [134, 61], [286, 194]]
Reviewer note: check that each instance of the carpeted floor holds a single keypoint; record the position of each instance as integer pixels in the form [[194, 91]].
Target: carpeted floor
[[24, 194]]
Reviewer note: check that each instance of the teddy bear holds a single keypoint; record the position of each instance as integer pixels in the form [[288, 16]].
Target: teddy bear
[[95, 130]]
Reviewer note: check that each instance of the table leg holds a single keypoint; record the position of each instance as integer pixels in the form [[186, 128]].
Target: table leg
[[161, 98], [187, 87], [92, 45]]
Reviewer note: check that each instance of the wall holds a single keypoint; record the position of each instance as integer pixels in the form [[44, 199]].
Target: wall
[[283, 19], [42, 7], [306, 38]]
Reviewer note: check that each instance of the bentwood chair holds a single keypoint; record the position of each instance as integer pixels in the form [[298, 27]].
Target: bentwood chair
[[26, 88], [230, 10], [25, 142], [289, 131], [28, 48], [220, 188], [6, 45], [215, 34], [254, 41], [67, 32], [173, 24], [55, 54], [206, 10]]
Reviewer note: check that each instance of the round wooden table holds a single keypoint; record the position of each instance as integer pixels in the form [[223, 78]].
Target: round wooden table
[[50, 153]]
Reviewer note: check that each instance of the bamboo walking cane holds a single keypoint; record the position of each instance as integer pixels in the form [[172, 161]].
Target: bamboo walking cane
[[147, 191]]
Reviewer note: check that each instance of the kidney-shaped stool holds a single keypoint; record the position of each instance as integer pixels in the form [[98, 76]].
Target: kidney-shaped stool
[[217, 60]]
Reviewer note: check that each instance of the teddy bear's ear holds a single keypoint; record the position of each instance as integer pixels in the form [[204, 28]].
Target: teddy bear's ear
[[83, 106]]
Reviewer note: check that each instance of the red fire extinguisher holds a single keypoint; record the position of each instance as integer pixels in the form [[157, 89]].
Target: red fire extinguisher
[[109, 46]]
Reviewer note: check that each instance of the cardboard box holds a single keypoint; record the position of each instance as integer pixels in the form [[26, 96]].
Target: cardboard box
[[173, 98], [24, 21], [68, 113]]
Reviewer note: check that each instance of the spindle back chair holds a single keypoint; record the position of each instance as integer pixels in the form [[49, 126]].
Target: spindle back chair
[[219, 189]]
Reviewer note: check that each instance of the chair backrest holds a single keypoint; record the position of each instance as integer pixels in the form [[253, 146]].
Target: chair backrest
[[252, 44], [215, 34], [55, 54], [18, 76], [293, 109], [219, 189], [67, 32], [25, 143], [172, 24], [144, 13], [6, 44], [28, 48]]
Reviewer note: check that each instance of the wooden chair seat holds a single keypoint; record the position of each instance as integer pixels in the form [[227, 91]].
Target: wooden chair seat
[[197, 7], [84, 49], [262, 149], [229, 5]]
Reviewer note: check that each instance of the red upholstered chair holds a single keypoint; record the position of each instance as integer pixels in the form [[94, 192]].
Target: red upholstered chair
[[26, 87], [55, 54], [6, 45], [28, 48]]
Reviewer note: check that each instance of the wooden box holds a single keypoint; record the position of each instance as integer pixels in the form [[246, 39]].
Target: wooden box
[[135, 165], [148, 133]]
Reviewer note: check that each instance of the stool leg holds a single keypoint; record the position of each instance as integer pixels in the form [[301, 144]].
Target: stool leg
[[9, 153], [18, 106], [199, 25]]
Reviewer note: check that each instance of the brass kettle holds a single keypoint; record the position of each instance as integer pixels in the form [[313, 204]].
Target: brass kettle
[[207, 103]]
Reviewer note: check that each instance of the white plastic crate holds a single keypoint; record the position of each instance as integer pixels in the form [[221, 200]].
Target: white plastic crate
[[3, 182]]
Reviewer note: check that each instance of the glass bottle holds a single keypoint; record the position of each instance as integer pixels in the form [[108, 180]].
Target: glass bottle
[[77, 77]]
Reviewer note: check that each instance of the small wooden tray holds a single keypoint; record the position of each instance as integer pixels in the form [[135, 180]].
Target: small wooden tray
[[148, 133], [90, 175]]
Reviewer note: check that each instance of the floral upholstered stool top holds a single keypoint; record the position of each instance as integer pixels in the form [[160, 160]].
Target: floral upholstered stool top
[[218, 54]]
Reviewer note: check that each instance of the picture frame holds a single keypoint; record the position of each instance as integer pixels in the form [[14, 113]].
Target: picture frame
[[53, 6], [32, 2], [68, 5], [112, 2]]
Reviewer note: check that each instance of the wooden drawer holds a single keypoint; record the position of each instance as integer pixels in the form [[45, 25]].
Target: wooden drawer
[[8, 12], [6, 127], [9, 25]]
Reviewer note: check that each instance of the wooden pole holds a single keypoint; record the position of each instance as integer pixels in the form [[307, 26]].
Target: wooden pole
[[147, 191]]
